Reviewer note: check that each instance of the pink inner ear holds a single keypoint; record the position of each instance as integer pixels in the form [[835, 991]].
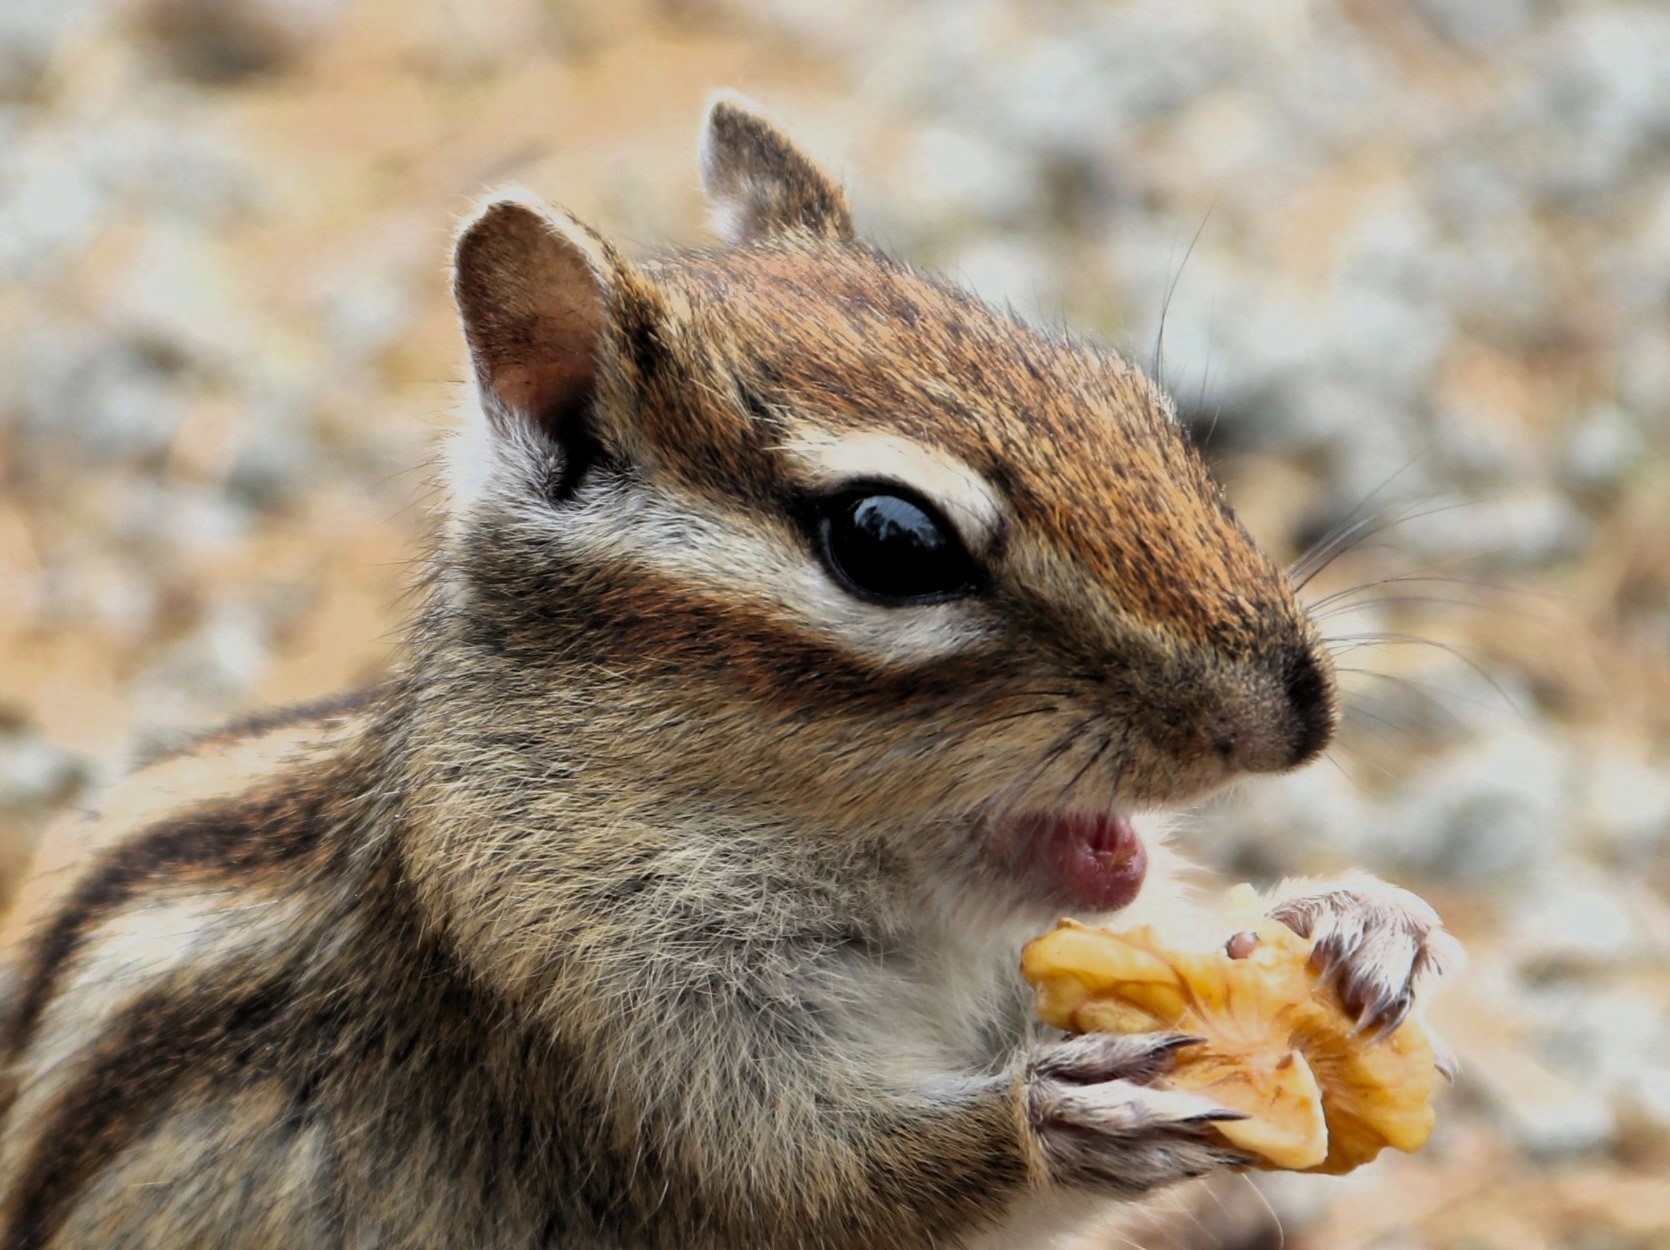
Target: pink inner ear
[[537, 390], [549, 370], [534, 315]]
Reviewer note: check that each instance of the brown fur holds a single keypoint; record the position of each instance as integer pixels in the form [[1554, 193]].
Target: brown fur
[[657, 901]]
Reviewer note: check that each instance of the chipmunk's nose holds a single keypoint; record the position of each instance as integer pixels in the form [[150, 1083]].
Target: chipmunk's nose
[[1279, 723], [1310, 695]]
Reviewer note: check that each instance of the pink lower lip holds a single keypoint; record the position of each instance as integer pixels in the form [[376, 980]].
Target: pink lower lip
[[1095, 862]]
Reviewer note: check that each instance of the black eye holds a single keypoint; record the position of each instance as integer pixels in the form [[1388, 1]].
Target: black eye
[[894, 550]]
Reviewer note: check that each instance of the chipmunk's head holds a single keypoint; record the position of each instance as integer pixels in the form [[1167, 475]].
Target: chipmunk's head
[[789, 535]]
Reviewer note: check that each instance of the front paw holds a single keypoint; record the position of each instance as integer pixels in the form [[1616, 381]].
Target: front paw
[[1376, 944], [1098, 1124]]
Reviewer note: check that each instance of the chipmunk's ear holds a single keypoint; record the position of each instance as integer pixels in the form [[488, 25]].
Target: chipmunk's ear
[[760, 184], [532, 286]]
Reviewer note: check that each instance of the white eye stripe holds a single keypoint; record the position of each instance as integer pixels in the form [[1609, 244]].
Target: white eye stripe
[[729, 555], [695, 540], [827, 460]]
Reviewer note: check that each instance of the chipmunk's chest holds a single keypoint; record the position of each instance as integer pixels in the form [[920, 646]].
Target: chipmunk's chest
[[938, 1005]]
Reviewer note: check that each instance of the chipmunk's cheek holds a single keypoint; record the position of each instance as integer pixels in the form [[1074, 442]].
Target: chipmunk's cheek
[[1092, 862]]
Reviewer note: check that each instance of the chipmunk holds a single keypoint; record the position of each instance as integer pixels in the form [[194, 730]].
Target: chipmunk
[[802, 636]]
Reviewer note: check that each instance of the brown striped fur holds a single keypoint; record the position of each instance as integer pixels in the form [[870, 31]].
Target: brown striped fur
[[655, 901]]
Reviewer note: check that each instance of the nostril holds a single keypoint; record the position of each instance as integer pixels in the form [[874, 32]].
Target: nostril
[[1305, 688], [1312, 704]]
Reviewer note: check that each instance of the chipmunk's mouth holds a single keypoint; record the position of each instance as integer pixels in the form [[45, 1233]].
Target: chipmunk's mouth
[[1091, 861]]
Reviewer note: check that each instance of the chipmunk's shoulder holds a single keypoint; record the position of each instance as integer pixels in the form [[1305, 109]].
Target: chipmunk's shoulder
[[233, 776]]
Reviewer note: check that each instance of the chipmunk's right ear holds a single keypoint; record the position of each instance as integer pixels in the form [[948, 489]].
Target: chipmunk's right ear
[[760, 184], [532, 286]]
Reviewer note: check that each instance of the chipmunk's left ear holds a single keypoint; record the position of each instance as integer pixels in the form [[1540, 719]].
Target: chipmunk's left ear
[[544, 302], [532, 292], [761, 185]]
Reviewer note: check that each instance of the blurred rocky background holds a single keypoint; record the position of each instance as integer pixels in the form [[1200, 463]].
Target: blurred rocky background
[[1411, 261]]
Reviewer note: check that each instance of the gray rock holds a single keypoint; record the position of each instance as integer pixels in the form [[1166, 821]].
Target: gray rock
[[276, 460], [207, 674], [1602, 449], [1490, 814], [101, 397], [174, 517], [368, 303], [1488, 270], [1573, 914], [1593, 99], [1519, 529], [956, 173], [51, 204], [1626, 800], [1554, 1125], [1478, 25], [223, 41], [1644, 379], [1608, 1044], [180, 292], [192, 175], [35, 774], [33, 35]]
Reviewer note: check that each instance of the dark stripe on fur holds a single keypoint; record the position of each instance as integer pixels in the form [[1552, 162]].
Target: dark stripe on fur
[[325, 708], [167, 1040], [646, 619], [237, 840]]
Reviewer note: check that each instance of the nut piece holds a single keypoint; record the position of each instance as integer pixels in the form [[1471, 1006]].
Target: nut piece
[[1320, 1097]]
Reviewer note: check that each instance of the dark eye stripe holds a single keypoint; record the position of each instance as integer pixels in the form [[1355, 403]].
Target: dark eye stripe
[[893, 549]]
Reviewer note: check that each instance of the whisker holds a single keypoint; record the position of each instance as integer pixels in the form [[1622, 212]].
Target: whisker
[[1344, 609], [1096, 756], [1005, 718], [1309, 566], [1275, 1218], [1346, 522], [1205, 389], [1357, 715], [1359, 641], [967, 853], [1171, 290], [1368, 761], [1050, 758], [1406, 579], [991, 814], [1433, 694], [1341, 769], [973, 842]]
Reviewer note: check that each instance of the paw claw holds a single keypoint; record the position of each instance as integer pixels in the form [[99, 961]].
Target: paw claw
[[1223, 1115], [1096, 1058], [1125, 1137], [1443, 1058], [1375, 945]]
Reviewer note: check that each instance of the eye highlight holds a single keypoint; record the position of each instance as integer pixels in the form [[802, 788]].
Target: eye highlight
[[888, 547]]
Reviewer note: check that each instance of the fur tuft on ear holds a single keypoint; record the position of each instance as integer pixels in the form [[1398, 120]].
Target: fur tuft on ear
[[761, 185], [532, 287]]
